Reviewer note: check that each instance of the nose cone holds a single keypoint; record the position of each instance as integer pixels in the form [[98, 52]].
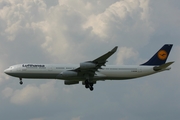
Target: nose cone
[[7, 71]]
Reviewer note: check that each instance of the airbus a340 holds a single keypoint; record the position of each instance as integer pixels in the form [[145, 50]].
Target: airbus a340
[[90, 72]]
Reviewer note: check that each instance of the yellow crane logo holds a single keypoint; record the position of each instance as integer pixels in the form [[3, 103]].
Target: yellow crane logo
[[162, 54]]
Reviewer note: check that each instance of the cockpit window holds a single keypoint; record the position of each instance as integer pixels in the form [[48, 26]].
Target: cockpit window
[[11, 67]]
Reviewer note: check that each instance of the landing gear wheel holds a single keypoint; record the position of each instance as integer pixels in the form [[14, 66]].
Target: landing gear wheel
[[91, 88], [86, 86], [91, 84], [20, 82]]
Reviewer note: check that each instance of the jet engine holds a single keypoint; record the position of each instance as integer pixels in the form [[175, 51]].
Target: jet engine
[[87, 65], [67, 74]]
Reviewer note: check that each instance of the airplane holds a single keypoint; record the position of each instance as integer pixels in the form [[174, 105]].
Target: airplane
[[90, 72]]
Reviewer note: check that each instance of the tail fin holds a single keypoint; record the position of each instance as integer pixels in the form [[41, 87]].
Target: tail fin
[[160, 57]]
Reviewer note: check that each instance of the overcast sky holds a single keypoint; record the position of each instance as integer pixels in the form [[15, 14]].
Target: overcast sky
[[74, 31]]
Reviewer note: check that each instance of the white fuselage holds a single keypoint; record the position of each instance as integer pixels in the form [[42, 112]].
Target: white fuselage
[[51, 71]]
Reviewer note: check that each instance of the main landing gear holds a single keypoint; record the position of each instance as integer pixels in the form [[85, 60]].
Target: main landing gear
[[89, 85], [21, 82]]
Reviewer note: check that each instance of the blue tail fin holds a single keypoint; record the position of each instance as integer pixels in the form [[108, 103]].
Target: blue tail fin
[[160, 57]]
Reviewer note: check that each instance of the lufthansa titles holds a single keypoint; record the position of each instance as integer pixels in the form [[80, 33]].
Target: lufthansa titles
[[33, 65]]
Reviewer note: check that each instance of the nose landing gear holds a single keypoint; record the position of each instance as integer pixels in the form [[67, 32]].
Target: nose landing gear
[[21, 82]]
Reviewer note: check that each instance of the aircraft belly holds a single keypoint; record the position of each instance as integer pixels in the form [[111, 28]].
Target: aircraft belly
[[120, 74], [36, 75], [129, 74]]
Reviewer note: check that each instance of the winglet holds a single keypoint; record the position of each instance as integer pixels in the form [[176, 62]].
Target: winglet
[[160, 57], [114, 49]]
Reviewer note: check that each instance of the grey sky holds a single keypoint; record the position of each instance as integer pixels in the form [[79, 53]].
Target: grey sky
[[67, 31]]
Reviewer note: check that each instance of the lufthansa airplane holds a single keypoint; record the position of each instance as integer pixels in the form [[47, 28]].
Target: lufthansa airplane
[[90, 72]]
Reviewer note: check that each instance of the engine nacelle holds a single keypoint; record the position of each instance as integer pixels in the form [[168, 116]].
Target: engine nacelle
[[87, 65], [67, 74], [69, 82]]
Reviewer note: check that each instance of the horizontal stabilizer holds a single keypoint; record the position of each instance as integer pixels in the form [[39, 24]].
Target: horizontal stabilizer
[[162, 67]]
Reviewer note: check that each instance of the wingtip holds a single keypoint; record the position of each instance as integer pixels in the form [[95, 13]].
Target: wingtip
[[114, 49]]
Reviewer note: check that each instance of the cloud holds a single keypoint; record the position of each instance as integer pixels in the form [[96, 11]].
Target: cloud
[[37, 119], [120, 22], [19, 14], [67, 31], [60, 32], [176, 58], [3, 64], [54, 30], [44, 93], [125, 54], [7, 92], [76, 118]]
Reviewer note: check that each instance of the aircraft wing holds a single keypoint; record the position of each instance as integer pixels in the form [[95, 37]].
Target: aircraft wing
[[102, 60], [90, 67]]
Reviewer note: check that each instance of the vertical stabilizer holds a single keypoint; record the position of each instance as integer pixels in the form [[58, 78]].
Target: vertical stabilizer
[[160, 57]]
